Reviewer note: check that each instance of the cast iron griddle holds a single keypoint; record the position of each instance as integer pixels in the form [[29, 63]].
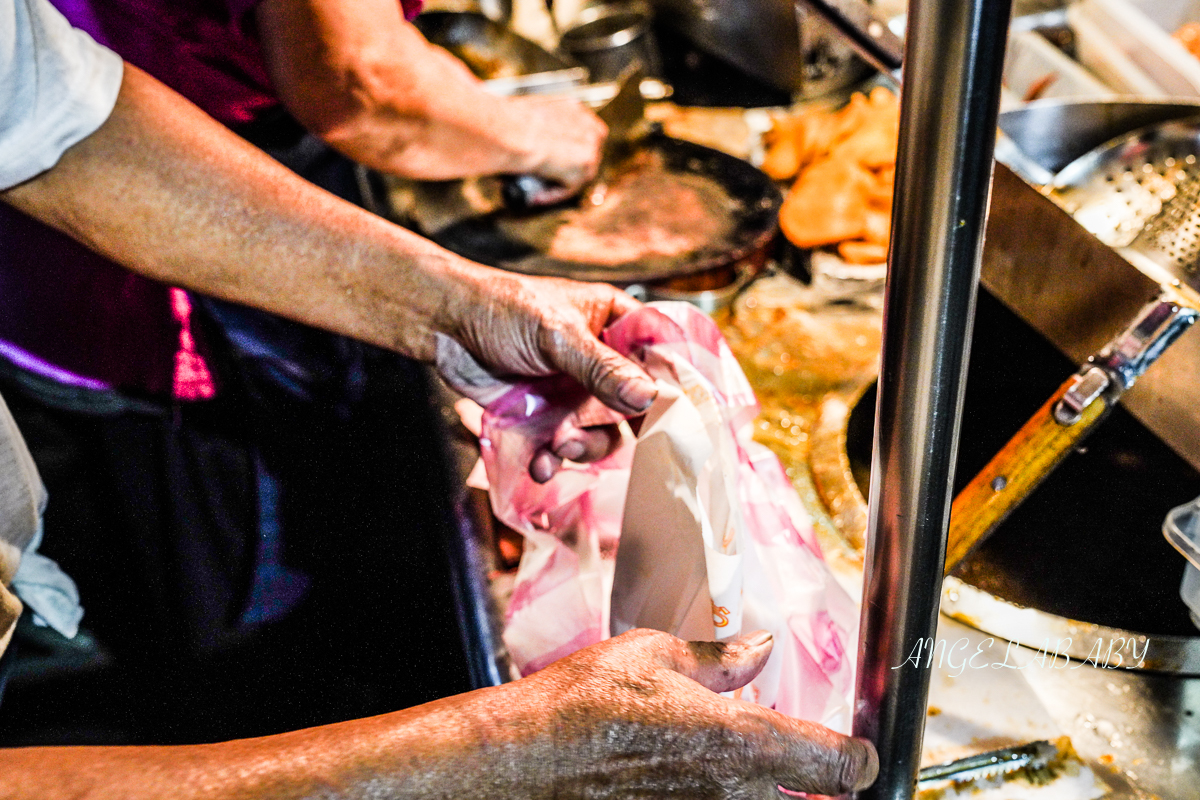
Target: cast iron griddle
[[752, 201]]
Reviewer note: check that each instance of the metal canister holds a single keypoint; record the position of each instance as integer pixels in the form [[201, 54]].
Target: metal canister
[[609, 37]]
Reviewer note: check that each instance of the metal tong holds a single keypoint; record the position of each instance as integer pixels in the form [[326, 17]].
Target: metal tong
[[1034, 758]]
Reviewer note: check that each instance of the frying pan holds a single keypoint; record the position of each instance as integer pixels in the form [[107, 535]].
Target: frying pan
[[752, 203]]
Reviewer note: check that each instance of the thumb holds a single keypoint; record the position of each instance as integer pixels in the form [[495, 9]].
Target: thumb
[[721, 666]]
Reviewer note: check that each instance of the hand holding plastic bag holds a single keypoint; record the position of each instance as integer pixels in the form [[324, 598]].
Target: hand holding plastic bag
[[713, 539]]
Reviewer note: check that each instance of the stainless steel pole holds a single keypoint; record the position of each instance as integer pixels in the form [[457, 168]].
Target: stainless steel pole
[[953, 58]]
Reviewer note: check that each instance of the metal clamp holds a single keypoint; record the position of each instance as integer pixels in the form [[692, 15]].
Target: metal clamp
[[1119, 364], [1088, 385]]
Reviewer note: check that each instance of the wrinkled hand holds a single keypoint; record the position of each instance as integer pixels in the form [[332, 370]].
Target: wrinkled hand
[[637, 715], [516, 326], [562, 140]]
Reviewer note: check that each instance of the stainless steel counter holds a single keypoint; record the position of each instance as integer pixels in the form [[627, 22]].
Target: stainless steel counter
[[1138, 731]]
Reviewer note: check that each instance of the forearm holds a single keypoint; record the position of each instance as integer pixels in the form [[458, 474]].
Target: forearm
[[636, 715], [427, 127], [477, 743], [369, 84], [165, 191]]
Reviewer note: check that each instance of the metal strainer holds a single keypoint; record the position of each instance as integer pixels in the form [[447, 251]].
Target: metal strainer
[[1140, 194]]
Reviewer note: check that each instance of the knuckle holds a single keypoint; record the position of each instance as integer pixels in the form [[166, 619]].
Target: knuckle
[[553, 338], [650, 638]]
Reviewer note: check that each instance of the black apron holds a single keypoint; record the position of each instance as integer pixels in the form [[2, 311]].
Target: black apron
[[155, 511]]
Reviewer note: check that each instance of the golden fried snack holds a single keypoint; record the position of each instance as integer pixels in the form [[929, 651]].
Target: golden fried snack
[[1189, 37], [845, 165], [827, 204], [873, 142], [858, 252], [782, 160]]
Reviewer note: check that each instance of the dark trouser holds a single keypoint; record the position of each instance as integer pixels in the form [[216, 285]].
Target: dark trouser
[[155, 512]]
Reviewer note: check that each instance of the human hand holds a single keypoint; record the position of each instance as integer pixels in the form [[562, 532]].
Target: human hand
[[561, 140], [638, 714], [520, 326]]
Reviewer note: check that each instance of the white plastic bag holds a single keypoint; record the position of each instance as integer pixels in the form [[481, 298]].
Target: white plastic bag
[[713, 539]]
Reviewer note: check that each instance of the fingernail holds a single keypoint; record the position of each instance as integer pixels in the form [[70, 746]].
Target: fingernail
[[572, 451], [758, 638], [637, 393]]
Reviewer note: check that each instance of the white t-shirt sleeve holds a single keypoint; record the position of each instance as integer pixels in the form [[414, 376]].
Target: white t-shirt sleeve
[[57, 86]]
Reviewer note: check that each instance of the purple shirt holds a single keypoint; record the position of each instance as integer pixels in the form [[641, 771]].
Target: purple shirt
[[206, 50], [72, 315]]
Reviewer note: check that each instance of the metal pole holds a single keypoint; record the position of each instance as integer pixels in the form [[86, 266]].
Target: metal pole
[[953, 58]]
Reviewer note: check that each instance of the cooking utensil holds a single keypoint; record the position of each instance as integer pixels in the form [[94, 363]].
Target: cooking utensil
[[439, 205], [749, 203], [570, 83], [1034, 759], [488, 48], [621, 114], [1139, 194], [625, 116], [870, 37], [768, 39], [556, 82], [1061, 424]]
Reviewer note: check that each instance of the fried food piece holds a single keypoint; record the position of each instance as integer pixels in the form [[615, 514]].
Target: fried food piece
[[873, 142], [878, 227], [782, 159], [799, 139], [846, 170], [827, 204], [1189, 37], [857, 252]]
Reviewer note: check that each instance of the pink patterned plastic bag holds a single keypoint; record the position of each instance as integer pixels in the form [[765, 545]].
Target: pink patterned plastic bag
[[713, 539]]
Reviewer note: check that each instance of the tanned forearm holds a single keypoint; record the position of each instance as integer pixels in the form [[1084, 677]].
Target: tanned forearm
[[482, 741], [357, 75], [635, 716], [162, 189]]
